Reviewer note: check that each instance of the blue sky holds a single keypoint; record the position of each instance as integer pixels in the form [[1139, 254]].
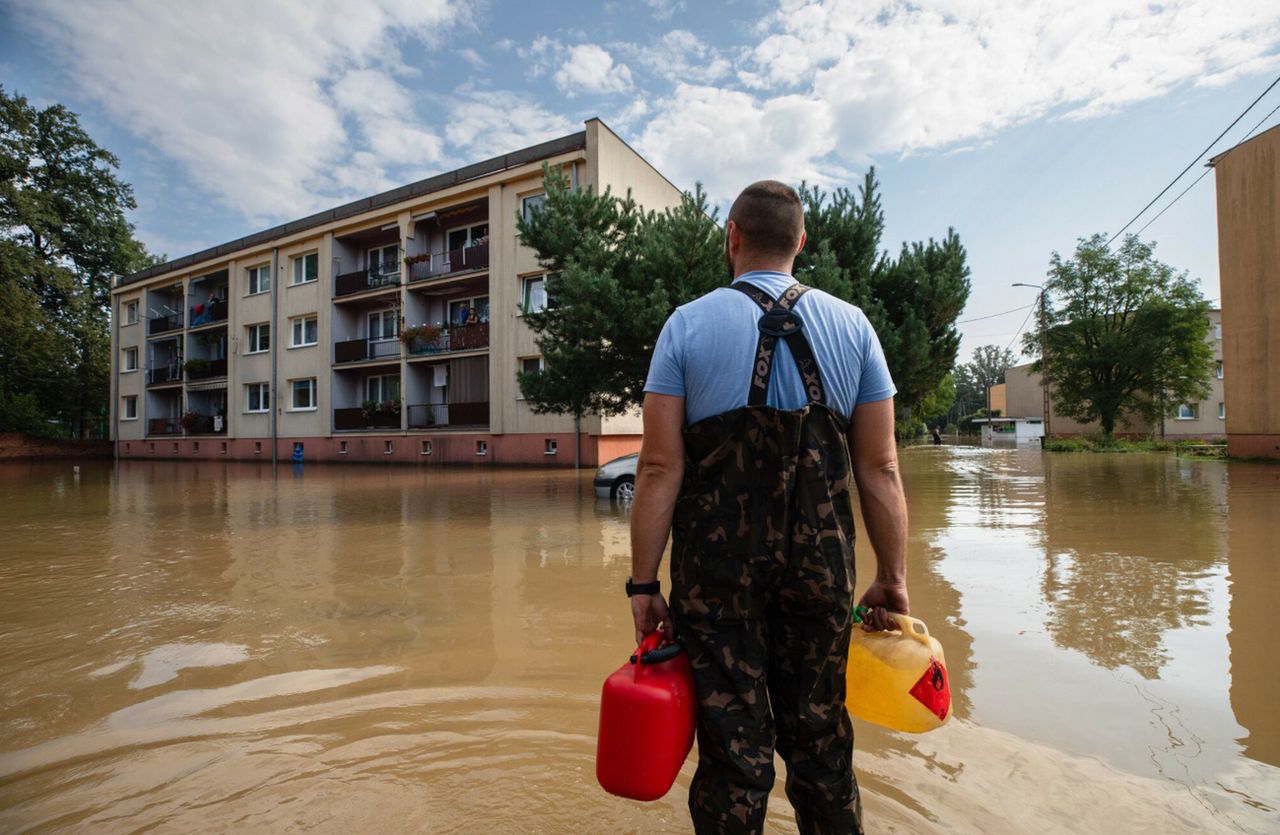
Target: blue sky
[[1024, 124]]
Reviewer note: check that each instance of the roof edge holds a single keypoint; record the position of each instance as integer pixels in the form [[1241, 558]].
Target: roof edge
[[439, 182]]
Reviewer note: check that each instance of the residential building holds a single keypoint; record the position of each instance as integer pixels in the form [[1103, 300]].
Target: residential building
[[1248, 185], [1205, 419], [389, 328]]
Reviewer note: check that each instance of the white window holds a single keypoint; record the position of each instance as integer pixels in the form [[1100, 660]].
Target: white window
[[383, 388], [1218, 370], [259, 279], [1222, 410], [468, 236], [257, 397], [304, 394], [259, 338], [129, 407], [1187, 411], [532, 203], [306, 268], [533, 295], [130, 360], [384, 260], [1217, 331], [305, 331], [131, 313], [384, 325]]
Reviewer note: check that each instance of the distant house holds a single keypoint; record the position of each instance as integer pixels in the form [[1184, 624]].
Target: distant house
[[1024, 397], [1248, 183]]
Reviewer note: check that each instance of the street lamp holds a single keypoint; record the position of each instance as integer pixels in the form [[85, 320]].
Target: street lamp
[[1044, 351]]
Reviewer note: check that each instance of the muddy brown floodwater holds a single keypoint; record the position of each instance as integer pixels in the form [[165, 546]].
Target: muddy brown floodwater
[[203, 647]]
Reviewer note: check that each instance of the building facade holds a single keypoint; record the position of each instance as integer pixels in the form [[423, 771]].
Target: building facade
[[386, 329], [1248, 185], [1024, 396]]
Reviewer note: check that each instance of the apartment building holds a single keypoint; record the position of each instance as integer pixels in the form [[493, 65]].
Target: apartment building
[[1248, 184], [385, 329], [1024, 397]]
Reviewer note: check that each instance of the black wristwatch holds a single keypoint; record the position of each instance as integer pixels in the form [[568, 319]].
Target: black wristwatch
[[642, 588]]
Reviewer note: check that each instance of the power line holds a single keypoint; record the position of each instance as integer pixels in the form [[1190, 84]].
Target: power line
[[1204, 174], [1020, 328], [1191, 164], [994, 315]]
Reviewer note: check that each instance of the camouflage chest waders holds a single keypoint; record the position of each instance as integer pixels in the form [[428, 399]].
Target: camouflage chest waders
[[762, 587]]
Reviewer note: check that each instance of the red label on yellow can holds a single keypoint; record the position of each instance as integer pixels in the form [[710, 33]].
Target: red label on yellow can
[[933, 690]]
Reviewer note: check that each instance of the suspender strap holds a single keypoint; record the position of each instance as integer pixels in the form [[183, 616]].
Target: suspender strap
[[780, 320]]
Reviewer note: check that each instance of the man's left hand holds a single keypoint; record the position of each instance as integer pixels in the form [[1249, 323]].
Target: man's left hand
[[649, 611]]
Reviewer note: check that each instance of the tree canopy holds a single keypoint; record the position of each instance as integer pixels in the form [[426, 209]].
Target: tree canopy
[[976, 377], [1127, 335], [63, 235]]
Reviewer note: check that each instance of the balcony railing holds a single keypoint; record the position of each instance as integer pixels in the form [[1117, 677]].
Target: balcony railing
[[458, 338], [205, 369], [209, 313], [165, 374], [164, 324], [456, 260], [358, 350], [208, 425], [369, 279], [345, 420], [164, 426], [430, 415]]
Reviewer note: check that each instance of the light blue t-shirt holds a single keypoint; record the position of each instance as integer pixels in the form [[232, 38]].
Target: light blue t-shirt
[[707, 348]]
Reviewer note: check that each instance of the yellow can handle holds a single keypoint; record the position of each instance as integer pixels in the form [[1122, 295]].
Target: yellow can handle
[[908, 625]]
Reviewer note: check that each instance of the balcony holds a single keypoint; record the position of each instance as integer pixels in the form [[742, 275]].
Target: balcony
[[164, 324], [346, 420], [359, 350], [361, 280], [459, 338], [164, 426], [166, 375], [432, 415], [209, 314], [199, 369], [445, 263], [198, 424]]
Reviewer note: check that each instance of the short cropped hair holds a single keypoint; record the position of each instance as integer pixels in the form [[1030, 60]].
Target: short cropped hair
[[771, 218]]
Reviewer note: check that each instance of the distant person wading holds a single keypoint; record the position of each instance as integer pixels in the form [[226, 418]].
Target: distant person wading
[[763, 399]]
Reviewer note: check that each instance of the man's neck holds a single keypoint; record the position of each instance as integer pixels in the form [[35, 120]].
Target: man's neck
[[761, 266]]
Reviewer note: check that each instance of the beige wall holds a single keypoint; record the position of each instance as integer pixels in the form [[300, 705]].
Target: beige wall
[[1025, 398], [131, 383], [1248, 184]]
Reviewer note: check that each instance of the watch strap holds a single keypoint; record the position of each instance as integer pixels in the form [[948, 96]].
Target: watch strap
[[643, 588]]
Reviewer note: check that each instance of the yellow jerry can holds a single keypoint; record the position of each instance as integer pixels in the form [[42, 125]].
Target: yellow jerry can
[[898, 678]]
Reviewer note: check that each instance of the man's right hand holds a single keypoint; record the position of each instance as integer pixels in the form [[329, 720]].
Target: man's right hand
[[881, 599]]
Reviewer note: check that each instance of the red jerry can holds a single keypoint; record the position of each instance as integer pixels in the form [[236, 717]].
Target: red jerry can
[[648, 710]]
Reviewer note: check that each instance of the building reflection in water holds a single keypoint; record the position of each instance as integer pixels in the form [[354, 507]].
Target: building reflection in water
[[1253, 542], [1129, 541]]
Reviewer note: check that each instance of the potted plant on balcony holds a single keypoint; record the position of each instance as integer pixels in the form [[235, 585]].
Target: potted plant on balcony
[[195, 368], [384, 413], [189, 420], [421, 339]]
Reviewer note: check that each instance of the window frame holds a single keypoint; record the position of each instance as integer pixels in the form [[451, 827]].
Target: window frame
[[131, 351], [525, 283], [312, 386], [527, 202], [253, 338], [130, 316], [1222, 410], [1218, 370], [1192, 412], [256, 274], [264, 398], [470, 302], [382, 387], [470, 229], [125, 402], [382, 271], [300, 270], [381, 316], [542, 365], [294, 321], [1217, 331]]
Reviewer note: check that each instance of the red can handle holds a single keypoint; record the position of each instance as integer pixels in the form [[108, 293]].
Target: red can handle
[[651, 650]]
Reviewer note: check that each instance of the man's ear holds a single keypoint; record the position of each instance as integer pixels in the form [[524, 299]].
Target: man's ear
[[803, 240]]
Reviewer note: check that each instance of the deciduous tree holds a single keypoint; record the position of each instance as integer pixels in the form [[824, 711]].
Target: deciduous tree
[[1127, 335]]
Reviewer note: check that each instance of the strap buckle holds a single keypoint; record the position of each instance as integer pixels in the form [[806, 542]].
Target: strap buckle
[[780, 322]]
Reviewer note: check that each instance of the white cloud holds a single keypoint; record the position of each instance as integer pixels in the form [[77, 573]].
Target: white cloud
[[590, 68], [664, 9], [726, 139], [253, 99], [680, 55], [490, 123]]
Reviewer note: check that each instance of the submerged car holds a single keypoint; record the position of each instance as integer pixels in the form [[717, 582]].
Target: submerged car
[[616, 480]]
